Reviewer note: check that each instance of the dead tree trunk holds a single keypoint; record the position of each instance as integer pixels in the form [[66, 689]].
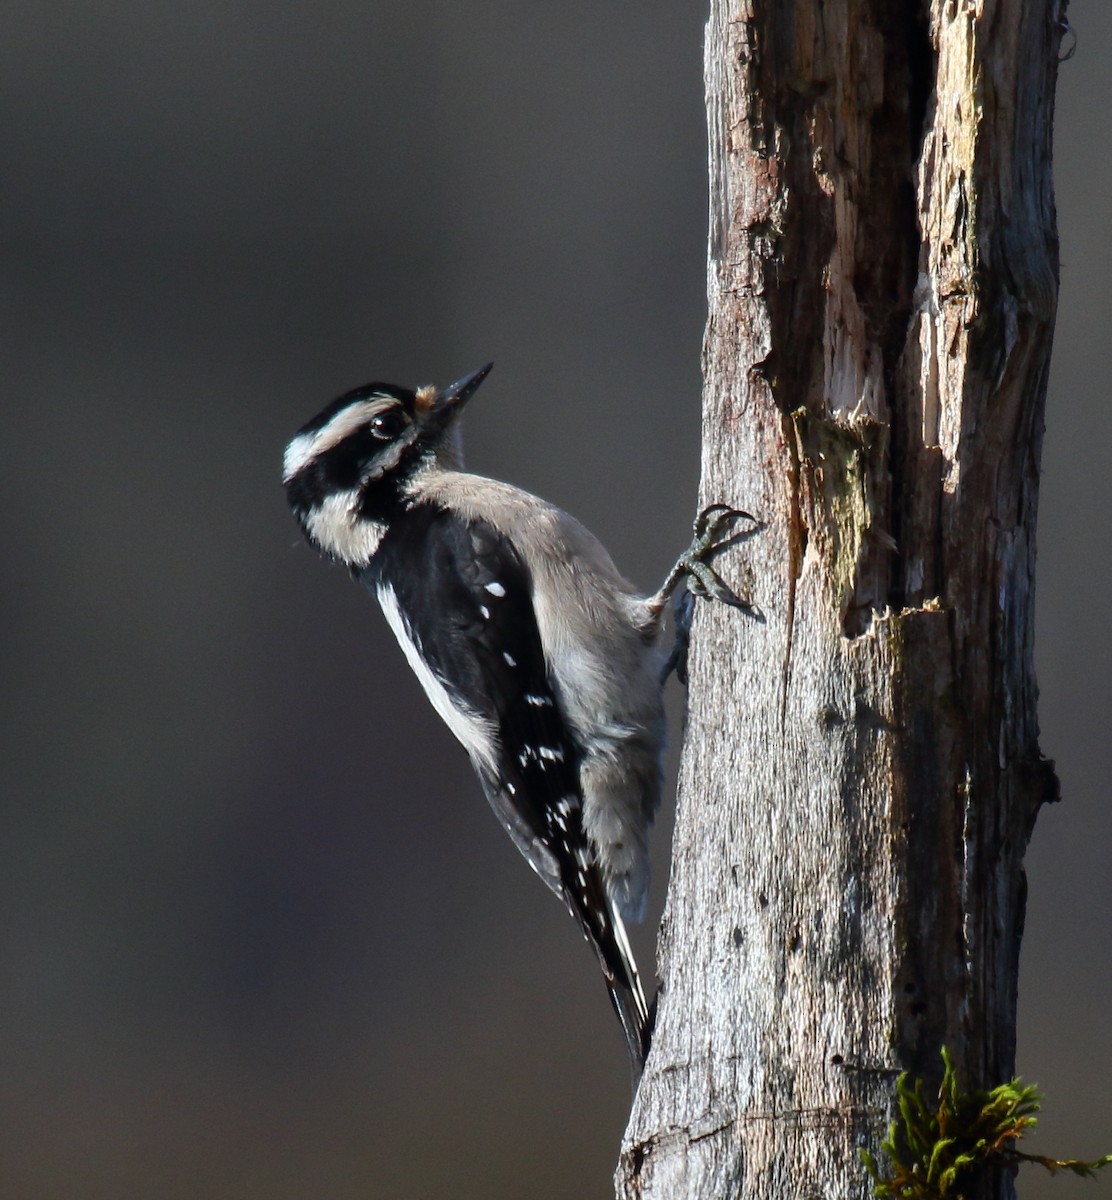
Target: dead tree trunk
[[861, 771]]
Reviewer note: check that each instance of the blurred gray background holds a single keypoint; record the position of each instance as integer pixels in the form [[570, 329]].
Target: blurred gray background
[[259, 934]]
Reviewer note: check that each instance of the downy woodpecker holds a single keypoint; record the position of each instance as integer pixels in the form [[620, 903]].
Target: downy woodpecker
[[541, 659]]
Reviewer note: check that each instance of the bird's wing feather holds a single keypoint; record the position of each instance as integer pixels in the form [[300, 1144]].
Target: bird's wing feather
[[462, 594], [464, 598]]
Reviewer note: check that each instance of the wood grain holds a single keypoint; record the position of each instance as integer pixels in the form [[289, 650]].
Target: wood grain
[[861, 768]]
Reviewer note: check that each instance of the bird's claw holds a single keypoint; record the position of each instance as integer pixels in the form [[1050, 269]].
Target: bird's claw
[[714, 531], [715, 521]]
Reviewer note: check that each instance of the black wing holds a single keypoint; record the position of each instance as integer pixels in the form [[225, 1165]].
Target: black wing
[[465, 599]]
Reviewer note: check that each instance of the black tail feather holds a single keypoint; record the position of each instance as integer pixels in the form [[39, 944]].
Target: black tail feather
[[629, 1007]]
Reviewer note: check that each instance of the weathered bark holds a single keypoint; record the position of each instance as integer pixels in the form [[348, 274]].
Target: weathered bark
[[861, 771]]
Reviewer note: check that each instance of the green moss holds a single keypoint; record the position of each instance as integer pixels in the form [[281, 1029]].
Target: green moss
[[936, 1148]]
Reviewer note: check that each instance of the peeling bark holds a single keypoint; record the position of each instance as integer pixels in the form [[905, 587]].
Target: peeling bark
[[861, 771]]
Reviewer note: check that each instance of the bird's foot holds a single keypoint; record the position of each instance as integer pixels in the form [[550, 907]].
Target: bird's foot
[[715, 529]]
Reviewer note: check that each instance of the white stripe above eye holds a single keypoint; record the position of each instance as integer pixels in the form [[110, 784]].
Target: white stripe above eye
[[298, 453], [307, 446]]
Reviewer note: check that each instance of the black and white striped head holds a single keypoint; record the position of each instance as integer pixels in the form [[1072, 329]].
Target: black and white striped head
[[346, 470]]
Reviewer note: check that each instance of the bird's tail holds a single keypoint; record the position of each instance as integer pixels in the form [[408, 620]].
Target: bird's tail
[[627, 996], [590, 901]]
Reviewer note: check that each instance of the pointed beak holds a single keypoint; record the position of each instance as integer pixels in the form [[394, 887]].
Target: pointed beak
[[452, 399]]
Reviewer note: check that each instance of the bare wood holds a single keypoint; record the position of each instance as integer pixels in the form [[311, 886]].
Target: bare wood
[[861, 771]]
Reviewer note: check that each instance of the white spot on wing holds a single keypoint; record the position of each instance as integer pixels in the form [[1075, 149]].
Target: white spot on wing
[[474, 732], [510, 660], [495, 588], [485, 611], [551, 754], [537, 701]]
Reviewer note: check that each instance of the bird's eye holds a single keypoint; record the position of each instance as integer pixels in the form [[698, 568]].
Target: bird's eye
[[387, 425]]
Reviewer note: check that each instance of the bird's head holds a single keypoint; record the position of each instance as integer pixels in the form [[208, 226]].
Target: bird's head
[[370, 442]]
